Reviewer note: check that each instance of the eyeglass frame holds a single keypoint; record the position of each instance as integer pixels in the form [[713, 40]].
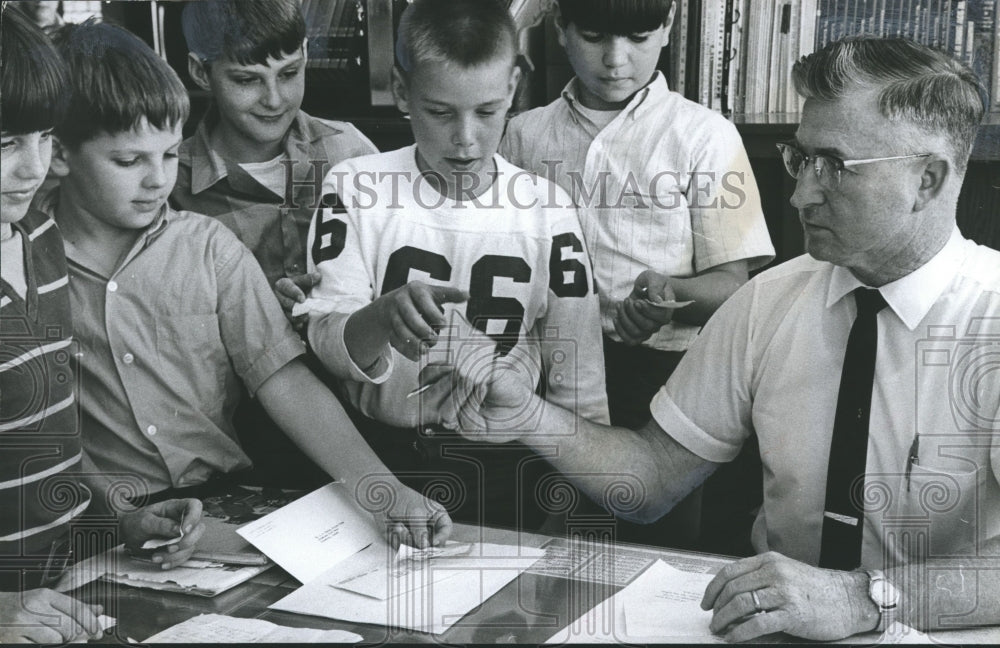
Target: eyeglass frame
[[839, 165]]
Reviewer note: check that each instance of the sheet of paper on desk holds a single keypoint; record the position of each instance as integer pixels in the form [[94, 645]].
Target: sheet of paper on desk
[[667, 592], [412, 569], [218, 628], [315, 532], [466, 581], [666, 602]]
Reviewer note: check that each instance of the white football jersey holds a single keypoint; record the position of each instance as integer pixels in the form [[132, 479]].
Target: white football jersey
[[517, 249]]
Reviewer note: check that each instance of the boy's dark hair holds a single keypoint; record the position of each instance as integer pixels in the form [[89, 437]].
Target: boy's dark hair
[[466, 32], [33, 90], [619, 17], [116, 81], [245, 31]]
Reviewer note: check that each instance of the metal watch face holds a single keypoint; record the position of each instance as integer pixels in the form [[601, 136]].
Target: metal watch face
[[883, 593]]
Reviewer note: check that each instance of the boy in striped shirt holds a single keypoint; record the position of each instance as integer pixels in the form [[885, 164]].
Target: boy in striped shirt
[[40, 450]]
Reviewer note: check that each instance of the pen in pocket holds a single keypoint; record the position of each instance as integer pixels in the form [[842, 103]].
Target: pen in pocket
[[913, 458]]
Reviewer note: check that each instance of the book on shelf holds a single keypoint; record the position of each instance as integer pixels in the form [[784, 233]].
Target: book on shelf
[[738, 54]]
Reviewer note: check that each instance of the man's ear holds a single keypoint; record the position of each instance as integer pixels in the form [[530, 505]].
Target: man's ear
[[400, 91], [932, 181], [198, 71], [60, 159], [305, 50]]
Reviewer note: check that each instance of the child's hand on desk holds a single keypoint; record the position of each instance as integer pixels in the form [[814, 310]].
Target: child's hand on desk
[[293, 290], [46, 616], [164, 520], [637, 318], [412, 314], [415, 520]]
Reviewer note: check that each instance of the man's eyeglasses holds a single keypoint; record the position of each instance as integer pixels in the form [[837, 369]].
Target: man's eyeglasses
[[828, 168]]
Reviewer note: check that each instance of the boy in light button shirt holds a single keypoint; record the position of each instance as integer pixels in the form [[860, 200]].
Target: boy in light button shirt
[[172, 311]]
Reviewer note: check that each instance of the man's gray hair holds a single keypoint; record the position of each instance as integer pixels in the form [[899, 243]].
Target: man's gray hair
[[919, 85]]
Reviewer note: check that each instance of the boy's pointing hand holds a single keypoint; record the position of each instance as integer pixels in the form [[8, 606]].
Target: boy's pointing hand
[[413, 314]]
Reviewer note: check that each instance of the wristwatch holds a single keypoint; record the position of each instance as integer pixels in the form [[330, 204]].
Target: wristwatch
[[884, 595]]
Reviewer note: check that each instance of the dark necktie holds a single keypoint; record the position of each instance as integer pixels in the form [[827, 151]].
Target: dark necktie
[[843, 515]]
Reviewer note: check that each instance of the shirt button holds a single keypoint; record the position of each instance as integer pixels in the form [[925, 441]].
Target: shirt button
[[112, 286], [151, 430], [128, 358]]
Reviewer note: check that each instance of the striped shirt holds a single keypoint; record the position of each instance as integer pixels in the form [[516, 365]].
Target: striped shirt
[[39, 422], [665, 186]]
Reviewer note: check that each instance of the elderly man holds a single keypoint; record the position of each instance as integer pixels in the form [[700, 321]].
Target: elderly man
[[867, 369]]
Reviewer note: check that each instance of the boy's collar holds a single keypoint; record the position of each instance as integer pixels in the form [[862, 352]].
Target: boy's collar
[[644, 99], [208, 167]]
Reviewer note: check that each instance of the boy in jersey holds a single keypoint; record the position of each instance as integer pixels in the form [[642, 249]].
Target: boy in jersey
[[448, 224], [172, 311]]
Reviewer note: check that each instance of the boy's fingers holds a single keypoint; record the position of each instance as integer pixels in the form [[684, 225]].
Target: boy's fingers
[[441, 523], [307, 281], [429, 308], [191, 514], [448, 294]]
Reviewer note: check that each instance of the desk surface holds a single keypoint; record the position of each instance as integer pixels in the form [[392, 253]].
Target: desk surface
[[530, 609]]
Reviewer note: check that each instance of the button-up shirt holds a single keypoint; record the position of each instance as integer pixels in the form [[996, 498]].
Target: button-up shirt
[[274, 226], [166, 339], [769, 363], [665, 186]]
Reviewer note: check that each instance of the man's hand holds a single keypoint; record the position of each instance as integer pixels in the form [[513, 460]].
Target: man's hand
[[635, 319], [293, 290], [46, 616], [415, 520], [481, 404], [798, 599], [412, 314], [160, 521]]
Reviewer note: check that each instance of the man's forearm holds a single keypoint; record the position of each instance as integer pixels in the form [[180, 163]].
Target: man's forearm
[[636, 474]]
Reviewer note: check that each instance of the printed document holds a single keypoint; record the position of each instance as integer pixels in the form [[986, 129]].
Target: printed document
[[315, 532]]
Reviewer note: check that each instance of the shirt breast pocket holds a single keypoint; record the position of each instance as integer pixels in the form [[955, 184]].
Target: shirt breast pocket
[[942, 503], [193, 358]]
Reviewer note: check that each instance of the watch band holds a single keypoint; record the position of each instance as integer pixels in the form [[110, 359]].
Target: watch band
[[885, 596]]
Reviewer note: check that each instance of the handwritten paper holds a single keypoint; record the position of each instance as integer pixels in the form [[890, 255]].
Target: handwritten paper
[[315, 532], [218, 628], [666, 602], [660, 606]]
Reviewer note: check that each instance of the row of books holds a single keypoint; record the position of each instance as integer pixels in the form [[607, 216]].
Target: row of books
[[736, 56]]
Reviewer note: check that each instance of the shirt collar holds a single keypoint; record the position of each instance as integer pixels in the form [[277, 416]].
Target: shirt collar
[[208, 167], [912, 296], [648, 96]]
